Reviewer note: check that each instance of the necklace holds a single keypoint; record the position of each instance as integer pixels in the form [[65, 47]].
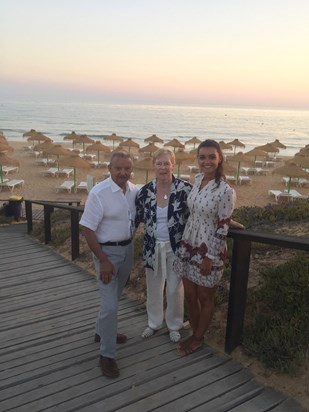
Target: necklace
[[165, 197]]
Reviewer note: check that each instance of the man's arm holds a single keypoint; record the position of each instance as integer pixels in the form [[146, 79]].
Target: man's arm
[[106, 267]]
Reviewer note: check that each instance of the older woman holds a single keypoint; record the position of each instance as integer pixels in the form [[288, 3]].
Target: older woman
[[203, 247], [162, 206]]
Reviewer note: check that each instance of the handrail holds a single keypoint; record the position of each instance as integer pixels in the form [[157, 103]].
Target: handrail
[[242, 241]]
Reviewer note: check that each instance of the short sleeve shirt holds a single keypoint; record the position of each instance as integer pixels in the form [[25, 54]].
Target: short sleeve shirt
[[109, 212]]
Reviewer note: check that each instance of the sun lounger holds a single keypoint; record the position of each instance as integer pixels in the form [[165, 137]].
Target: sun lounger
[[12, 183], [296, 195], [66, 185], [50, 172], [82, 186], [65, 172], [231, 179], [8, 169], [244, 179]]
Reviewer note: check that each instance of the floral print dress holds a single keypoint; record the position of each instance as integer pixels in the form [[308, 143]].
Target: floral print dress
[[205, 232]]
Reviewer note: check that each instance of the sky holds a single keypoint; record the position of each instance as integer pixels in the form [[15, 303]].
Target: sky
[[210, 52]]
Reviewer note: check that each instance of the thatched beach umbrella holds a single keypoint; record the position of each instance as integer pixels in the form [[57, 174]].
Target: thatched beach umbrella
[[6, 161], [75, 161], [194, 140], [114, 138], [58, 150], [269, 148], [129, 143], [225, 146], [299, 160], [154, 139], [256, 152], [31, 132], [5, 147], [240, 158], [144, 164], [71, 136], [39, 137], [84, 139], [98, 147], [278, 144], [175, 143], [236, 143], [150, 148], [291, 171], [181, 157]]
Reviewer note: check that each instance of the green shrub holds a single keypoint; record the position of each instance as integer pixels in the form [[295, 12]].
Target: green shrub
[[279, 332]]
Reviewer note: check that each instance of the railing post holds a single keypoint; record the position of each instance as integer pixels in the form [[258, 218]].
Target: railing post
[[47, 222], [28, 209], [74, 234], [238, 293]]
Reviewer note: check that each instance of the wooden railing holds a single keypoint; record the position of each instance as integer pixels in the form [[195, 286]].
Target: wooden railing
[[242, 241]]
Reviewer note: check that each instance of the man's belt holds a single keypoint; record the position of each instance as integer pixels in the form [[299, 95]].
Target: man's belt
[[121, 243]]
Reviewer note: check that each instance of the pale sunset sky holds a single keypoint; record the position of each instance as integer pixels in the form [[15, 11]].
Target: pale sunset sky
[[215, 52]]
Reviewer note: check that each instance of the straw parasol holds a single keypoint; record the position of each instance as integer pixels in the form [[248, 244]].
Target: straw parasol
[[150, 148], [154, 139], [256, 152], [31, 132], [6, 161], [278, 144], [175, 143], [98, 147], [58, 150], [75, 161], [181, 157], [225, 146], [71, 136], [236, 143], [299, 160], [5, 147], [129, 143], [269, 148], [39, 137], [194, 140], [114, 138], [291, 170], [83, 138], [144, 164], [240, 158]]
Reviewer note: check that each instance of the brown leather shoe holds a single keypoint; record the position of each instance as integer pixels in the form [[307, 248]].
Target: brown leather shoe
[[109, 367], [120, 338]]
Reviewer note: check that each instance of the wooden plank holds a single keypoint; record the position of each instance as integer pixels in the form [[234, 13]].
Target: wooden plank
[[49, 360]]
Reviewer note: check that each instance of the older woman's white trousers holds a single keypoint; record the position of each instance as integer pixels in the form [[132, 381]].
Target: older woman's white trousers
[[162, 276]]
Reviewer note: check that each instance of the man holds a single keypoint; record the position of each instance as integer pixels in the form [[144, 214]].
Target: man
[[108, 224]]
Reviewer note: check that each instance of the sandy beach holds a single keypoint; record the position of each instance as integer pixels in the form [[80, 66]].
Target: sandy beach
[[37, 186]]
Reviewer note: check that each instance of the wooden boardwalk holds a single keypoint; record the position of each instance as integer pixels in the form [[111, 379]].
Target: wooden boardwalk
[[49, 361]]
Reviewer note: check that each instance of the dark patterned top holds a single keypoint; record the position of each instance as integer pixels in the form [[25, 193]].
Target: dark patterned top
[[177, 214]]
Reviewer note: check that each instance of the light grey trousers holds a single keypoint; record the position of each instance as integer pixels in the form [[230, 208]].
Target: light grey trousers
[[122, 259]]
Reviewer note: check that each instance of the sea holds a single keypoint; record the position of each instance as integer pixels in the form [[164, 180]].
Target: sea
[[252, 126]]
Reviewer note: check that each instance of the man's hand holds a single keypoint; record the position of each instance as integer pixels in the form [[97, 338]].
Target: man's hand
[[106, 271]]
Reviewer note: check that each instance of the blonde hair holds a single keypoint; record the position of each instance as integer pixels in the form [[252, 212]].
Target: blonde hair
[[161, 152]]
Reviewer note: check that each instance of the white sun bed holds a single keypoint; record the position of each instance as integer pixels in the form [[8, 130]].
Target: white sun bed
[[50, 172], [65, 172], [82, 186], [244, 179], [11, 184], [66, 185], [8, 169]]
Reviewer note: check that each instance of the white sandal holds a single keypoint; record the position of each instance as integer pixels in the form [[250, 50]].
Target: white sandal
[[174, 336], [147, 333]]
